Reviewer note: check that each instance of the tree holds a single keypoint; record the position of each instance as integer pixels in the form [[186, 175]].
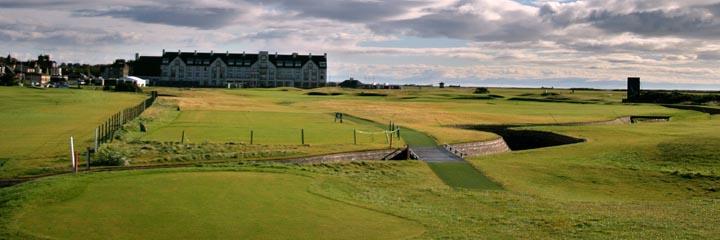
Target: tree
[[481, 90], [9, 79]]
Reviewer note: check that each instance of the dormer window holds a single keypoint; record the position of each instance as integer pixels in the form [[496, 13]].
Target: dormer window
[[323, 64], [165, 60]]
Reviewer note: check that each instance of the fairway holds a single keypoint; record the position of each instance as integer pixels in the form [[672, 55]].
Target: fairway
[[206, 205], [269, 128]]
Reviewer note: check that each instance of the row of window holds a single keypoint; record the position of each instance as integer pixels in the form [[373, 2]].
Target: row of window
[[240, 62]]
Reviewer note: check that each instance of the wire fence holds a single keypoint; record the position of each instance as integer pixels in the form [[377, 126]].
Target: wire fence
[[105, 132]]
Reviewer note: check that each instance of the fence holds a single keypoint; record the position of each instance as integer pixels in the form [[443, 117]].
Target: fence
[[106, 131]]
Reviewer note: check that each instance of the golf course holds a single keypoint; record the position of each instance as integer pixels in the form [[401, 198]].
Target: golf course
[[218, 164]]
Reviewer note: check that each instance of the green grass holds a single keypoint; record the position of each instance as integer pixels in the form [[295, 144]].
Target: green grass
[[462, 175], [640, 181], [200, 205], [37, 125], [269, 128]]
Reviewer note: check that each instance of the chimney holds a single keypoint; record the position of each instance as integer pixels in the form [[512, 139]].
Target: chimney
[[195, 53], [310, 54], [325, 55], [227, 53], [163, 51], [243, 53], [211, 53], [179, 51], [137, 56], [276, 55], [294, 55]]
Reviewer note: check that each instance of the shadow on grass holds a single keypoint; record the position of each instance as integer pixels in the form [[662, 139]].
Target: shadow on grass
[[463, 175]]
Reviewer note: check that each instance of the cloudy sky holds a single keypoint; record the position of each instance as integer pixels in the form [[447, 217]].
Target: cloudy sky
[[595, 43]]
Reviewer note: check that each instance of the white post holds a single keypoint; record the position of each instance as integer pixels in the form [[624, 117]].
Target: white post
[[97, 133], [72, 153]]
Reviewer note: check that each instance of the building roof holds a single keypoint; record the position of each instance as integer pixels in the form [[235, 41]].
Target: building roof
[[147, 66], [245, 59]]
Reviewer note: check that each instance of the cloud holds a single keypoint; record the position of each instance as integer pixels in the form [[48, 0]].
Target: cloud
[[197, 17], [659, 40], [35, 3], [345, 10], [691, 19], [481, 20], [62, 36]]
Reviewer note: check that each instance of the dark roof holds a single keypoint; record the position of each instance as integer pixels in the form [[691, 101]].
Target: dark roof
[[200, 59], [286, 59], [147, 66]]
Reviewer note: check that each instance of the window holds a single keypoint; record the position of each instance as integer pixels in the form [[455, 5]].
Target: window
[[323, 64], [190, 61], [297, 64], [165, 60], [206, 61]]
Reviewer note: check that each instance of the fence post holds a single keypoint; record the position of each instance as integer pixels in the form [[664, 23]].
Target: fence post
[[77, 161], [251, 137], [355, 136], [391, 139], [87, 163], [72, 153], [96, 139], [182, 140], [104, 137], [302, 135]]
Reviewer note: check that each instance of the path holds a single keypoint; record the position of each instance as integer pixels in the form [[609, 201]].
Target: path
[[435, 154], [451, 169]]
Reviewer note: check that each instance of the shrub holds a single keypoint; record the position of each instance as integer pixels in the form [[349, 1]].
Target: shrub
[[127, 87], [9, 80], [109, 156]]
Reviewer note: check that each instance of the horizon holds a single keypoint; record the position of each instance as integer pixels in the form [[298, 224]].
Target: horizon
[[521, 43]]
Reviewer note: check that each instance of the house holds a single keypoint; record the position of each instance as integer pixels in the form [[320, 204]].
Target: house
[[118, 69], [38, 78], [34, 70], [242, 69]]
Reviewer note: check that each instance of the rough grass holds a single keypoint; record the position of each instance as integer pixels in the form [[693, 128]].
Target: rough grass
[[650, 161]]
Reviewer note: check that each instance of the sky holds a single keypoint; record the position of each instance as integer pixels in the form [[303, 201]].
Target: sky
[[669, 44]]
